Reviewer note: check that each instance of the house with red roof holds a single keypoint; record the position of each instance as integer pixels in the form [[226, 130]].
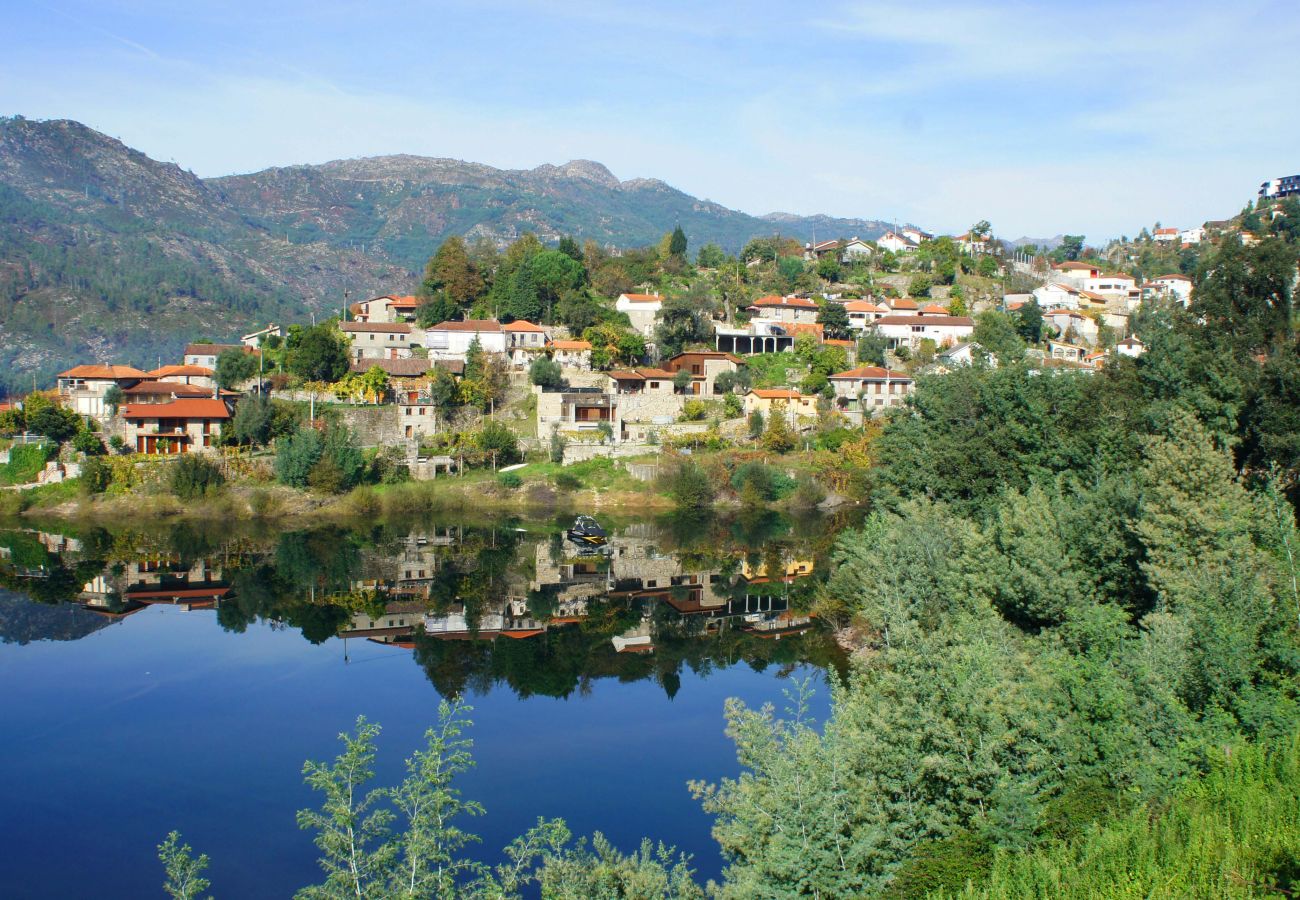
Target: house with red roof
[[876, 387], [524, 340], [452, 340], [1165, 235], [82, 388], [380, 340], [642, 311], [705, 366], [386, 308], [181, 425], [863, 312], [772, 401], [571, 354], [791, 310], [910, 331]]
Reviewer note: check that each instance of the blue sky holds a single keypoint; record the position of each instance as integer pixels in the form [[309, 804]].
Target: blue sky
[[1085, 117]]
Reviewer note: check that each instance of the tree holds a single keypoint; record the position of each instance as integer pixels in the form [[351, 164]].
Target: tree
[[194, 476], [690, 487], [184, 873], [682, 381], [251, 424], [451, 272], [834, 319], [778, 436], [437, 309], [351, 828], [497, 439], [1071, 247], [234, 367], [546, 373], [995, 333], [987, 267], [577, 310], [1029, 322], [677, 243], [569, 247], [1244, 293], [321, 354], [872, 347], [919, 286], [114, 398], [680, 323], [790, 270], [828, 267], [711, 256], [296, 455], [981, 229], [55, 422], [756, 424]]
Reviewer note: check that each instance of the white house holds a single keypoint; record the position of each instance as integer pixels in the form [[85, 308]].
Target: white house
[[1177, 287], [524, 339], [255, 339], [1076, 271], [1067, 352], [863, 312], [1113, 287], [1057, 296], [786, 309], [1165, 235], [388, 308], [909, 331], [642, 310], [877, 387], [1131, 347], [451, 340], [83, 387], [896, 243], [571, 354], [1067, 320], [855, 248], [1192, 236], [916, 235], [380, 340]]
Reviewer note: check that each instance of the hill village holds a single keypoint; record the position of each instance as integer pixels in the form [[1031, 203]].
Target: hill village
[[704, 354]]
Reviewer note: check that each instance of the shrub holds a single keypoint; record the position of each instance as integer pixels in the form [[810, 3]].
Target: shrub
[[762, 482], [545, 372], [756, 424], [263, 504], [510, 480], [117, 443], [694, 411], [690, 487], [808, 493], [88, 442], [495, 437], [55, 422], [568, 481], [194, 476], [733, 405], [295, 456], [326, 476], [26, 462], [558, 443], [96, 476]]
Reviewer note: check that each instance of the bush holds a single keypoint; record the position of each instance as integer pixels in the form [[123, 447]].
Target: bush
[[568, 481], [761, 482], [558, 444], [325, 476], [733, 405], [117, 443], [96, 476], [510, 480], [496, 438], [296, 454], [808, 494], [194, 476], [26, 462], [690, 487], [756, 424], [88, 442], [545, 372], [263, 504], [694, 411], [55, 422]]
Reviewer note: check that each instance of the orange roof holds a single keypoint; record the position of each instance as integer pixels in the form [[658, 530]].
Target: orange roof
[[776, 394], [861, 306], [1166, 231], [523, 325], [1171, 278], [797, 328], [409, 301], [571, 345], [641, 298], [903, 303], [655, 373], [837, 342], [927, 320], [113, 372], [1071, 264], [172, 371], [178, 409], [789, 302], [869, 373], [935, 308]]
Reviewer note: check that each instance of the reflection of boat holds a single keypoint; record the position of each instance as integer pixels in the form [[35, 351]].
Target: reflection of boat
[[586, 531]]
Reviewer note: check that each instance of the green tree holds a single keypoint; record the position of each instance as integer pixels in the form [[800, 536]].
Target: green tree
[[778, 436], [450, 271], [681, 323], [682, 380], [556, 274], [234, 367], [55, 422], [194, 476], [828, 267], [320, 355], [756, 424], [677, 243], [872, 347], [114, 398], [919, 286], [437, 309], [711, 256], [1071, 247], [995, 332], [546, 372], [251, 424], [1029, 322], [834, 319], [569, 247], [296, 455], [184, 872]]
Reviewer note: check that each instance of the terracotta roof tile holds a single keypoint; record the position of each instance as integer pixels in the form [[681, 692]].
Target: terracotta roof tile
[[484, 325], [870, 373], [92, 371], [376, 327], [178, 409]]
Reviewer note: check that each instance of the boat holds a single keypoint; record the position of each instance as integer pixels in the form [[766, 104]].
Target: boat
[[586, 531]]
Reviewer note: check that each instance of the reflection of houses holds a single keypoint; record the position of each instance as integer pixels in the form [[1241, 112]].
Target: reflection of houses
[[513, 621], [396, 625], [166, 579]]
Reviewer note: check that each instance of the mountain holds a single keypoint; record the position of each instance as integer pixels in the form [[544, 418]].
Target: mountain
[[106, 254]]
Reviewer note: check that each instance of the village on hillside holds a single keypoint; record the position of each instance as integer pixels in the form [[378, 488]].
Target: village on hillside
[[574, 353]]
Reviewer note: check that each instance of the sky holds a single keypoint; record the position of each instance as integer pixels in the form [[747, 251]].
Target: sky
[[1089, 117]]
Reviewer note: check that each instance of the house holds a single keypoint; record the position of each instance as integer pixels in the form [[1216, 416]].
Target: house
[[904, 305], [909, 331], [962, 355], [524, 339], [863, 312], [897, 243], [854, 249], [818, 250], [791, 403], [1176, 287], [1096, 360], [380, 340], [933, 309], [642, 381], [759, 336], [1131, 347], [452, 340], [1113, 287], [1067, 352], [1092, 300], [82, 388], [973, 245], [876, 387], [642, 310], [1192, 236], [386, 309], [1165, 235], [1074, 269], [206, 354], [184, 425], [166, 391], [196, 375], [1056, 295], [571, 354], [255, 339], [705, 366], [916, 235], [1278, 188], [1067, 322], [786, 309]]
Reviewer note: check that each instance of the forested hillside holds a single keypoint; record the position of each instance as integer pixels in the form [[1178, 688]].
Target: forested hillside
[[106, 254]]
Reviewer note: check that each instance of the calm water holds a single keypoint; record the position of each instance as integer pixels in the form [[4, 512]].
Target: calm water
[[178, 679]]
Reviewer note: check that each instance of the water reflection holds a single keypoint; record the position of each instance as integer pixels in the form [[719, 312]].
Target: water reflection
[[477, 605]]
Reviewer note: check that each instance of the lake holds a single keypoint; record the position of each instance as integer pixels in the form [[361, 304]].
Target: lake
[[176, 677]]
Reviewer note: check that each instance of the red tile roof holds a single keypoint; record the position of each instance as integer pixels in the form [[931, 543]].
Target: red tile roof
[[903, 303], [1171, 278], [1072, 264], [776, 394], [407, 302], [178, 409], [175, 371], [168, 388], [641, 298], [571, 345], [214, 349], [400, 368], [952, 321], [871, 373], [91, 371], [935, 309], [862, 306], [785, 302], [523, 325]]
